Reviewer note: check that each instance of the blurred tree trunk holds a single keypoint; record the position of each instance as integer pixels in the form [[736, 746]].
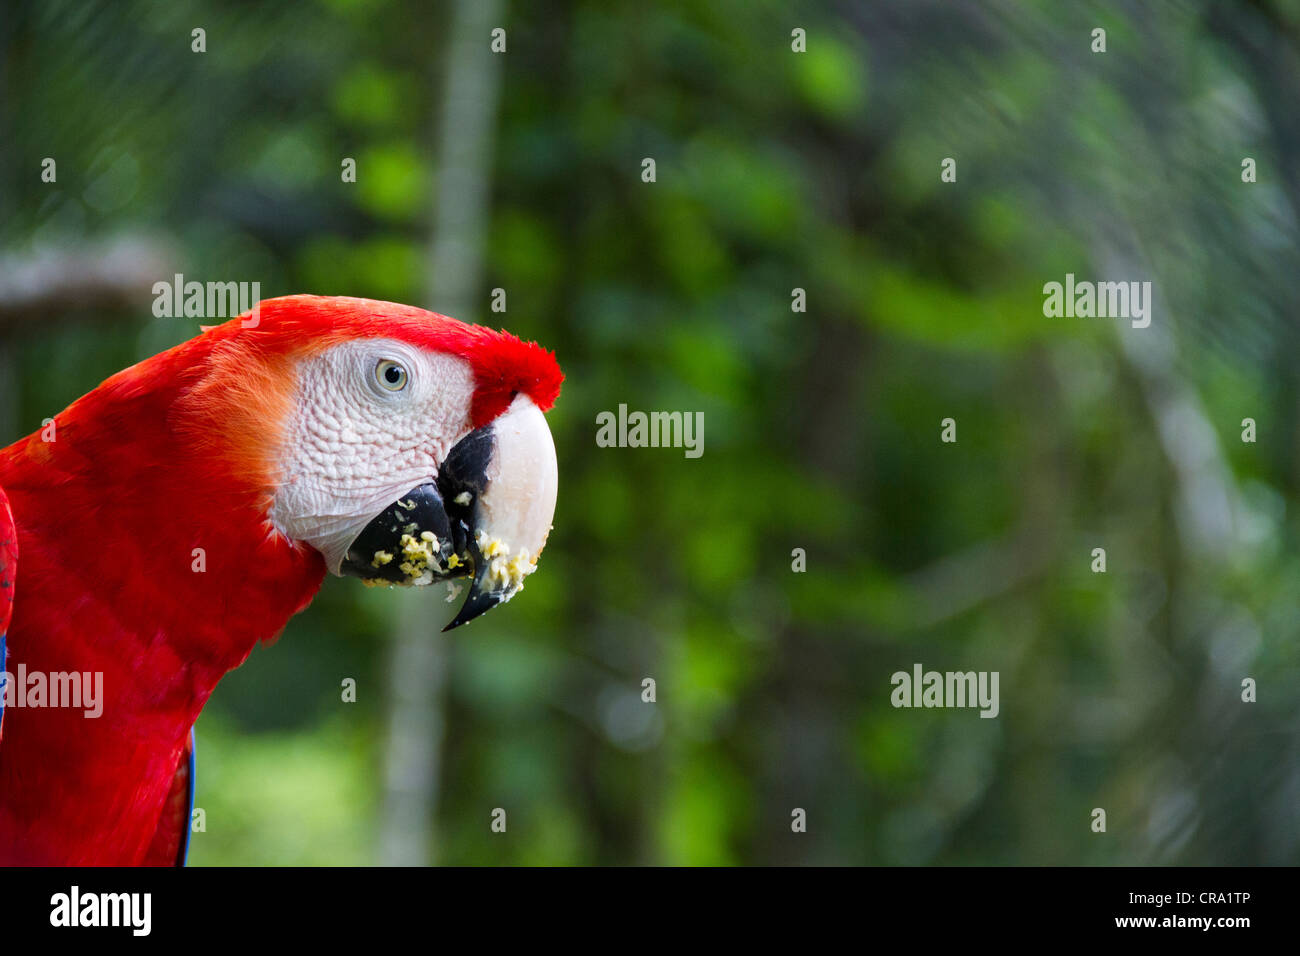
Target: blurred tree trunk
[[1266, 46], [417, 678]]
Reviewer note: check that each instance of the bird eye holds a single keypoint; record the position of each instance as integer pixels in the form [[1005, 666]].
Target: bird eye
[[390, 376]]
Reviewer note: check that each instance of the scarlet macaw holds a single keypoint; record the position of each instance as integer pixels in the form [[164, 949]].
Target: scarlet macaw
[[185, 509]]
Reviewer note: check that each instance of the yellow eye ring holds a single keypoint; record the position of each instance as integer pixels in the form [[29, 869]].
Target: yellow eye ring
[[390, 376]]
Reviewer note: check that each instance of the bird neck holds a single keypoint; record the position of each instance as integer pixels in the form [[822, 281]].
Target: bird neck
[[144, 534], [148, 567]]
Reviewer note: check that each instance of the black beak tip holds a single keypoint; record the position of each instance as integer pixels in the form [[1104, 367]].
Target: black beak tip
[[479, 602]]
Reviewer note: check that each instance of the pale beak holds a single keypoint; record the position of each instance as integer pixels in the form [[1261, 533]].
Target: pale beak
[[511, 516]]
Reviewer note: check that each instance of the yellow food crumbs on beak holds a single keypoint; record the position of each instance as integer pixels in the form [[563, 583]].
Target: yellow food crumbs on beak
[[504, 572], [418, 553], [420, 558]]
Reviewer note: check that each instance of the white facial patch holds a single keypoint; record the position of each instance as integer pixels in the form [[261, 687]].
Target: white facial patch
[[357, 442]]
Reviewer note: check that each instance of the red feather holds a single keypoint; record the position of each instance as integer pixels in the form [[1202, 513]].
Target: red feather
[[172, 455], [503, 364]]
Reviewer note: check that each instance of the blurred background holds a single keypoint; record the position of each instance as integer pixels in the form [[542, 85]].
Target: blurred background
[[775, 171]]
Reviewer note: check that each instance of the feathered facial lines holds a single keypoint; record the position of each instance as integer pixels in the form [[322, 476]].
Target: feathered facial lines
[[371, 419]]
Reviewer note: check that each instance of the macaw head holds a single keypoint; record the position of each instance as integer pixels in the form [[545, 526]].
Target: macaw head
[[166, 522], [404, 447]]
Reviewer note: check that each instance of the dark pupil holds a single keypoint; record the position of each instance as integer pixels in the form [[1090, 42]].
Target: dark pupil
[[392, 374]]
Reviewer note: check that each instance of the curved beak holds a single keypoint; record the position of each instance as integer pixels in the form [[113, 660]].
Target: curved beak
[[510, 518], [487, 515]]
